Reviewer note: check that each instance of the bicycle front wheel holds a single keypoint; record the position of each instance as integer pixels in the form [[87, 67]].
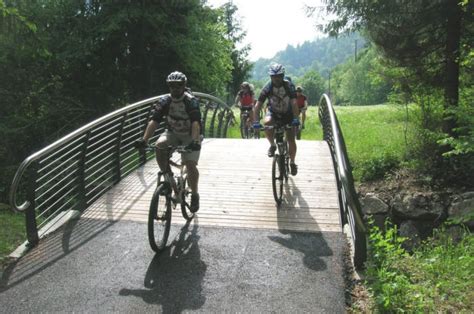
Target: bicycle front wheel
[[159, 219], [243, 128], [277, 178]]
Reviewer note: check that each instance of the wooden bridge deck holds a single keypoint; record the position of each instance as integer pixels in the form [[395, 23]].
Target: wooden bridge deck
[[236, 191]]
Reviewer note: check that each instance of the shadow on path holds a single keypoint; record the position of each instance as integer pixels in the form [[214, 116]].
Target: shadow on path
[[72, 235], [312, 245], [174, 277]]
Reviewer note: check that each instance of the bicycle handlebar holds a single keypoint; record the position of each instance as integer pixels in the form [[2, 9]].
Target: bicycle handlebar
[[179, 149]]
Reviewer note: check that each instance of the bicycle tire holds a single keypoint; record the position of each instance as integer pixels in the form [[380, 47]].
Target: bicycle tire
[[159, 219], [277, 179], [242, 128], [186, 200], [285, 160], [256, 134]]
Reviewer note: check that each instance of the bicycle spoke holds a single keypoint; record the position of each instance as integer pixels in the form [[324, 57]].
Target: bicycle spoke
[[159, 220], [277, 179]]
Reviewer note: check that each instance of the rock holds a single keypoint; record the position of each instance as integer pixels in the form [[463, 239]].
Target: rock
[[462, 209], [415, 231], [372, 205], [418, 206]]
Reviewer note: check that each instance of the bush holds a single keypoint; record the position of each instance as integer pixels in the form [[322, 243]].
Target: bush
[[437, 277], [378, 167]]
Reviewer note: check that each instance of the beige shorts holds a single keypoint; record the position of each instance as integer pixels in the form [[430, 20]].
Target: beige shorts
[[172, 139]]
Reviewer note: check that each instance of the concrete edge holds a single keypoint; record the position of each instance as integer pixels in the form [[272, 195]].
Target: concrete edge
[[56, 223]]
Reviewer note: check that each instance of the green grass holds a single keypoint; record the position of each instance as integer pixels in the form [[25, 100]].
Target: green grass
[[436, 278], [12, 231]]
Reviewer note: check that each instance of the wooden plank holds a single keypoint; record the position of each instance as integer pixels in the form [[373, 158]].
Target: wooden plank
[[236, 191]]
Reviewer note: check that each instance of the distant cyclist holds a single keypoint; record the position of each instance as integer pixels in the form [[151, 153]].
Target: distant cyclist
[[302, 102], [181, 110], [281, 96], [245, 100]]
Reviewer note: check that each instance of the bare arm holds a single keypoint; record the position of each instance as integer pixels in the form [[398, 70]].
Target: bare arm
[[237, 101], [256, 109], [196, 131], [150, 130], [294, 107]]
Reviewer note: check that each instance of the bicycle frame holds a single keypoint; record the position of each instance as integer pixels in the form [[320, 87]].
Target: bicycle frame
[[176, 182]]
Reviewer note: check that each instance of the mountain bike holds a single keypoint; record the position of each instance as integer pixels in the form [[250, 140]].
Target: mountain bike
[[171, 191], [281, 160], [246, 129]]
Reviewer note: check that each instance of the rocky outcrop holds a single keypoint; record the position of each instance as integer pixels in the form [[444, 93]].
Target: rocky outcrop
[[418, 213]]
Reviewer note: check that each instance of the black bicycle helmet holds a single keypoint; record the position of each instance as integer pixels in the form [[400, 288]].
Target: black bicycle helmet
[[276, 69], [176, 76]]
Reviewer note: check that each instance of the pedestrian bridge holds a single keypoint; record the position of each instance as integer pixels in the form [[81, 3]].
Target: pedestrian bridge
[[95, 173]]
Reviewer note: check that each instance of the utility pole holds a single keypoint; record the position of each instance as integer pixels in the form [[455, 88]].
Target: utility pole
[[329, 84], [355, 51]]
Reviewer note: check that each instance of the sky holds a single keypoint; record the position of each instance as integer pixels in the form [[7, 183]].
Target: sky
[[272, 25]]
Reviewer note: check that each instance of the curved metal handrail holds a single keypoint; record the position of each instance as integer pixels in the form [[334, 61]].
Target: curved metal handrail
[[30, 159], [92, 158], [351, 211]]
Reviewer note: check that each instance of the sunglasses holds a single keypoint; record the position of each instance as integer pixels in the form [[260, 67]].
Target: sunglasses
[[175, 85]]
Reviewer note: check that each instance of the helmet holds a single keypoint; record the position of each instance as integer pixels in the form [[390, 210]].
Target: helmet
[[245, 84], [276, 69], [299, 89], [176, 76]]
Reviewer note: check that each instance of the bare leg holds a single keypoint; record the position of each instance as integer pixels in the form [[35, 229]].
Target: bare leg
[[269, 132], [290, 136], [162, 156], [193, 175]]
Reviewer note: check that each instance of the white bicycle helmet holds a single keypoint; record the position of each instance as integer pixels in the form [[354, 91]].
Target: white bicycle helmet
[[276, 69], [176, 76]]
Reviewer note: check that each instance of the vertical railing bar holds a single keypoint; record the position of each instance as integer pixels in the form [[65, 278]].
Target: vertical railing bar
[[118, 172], [82, 205], [30, 212]]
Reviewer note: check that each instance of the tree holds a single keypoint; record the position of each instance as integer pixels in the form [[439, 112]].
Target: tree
[[426, 37], [313, 85], [241, 66]]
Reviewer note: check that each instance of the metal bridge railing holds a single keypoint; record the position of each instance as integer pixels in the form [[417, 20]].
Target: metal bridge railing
[[77, 169], [351, 212]]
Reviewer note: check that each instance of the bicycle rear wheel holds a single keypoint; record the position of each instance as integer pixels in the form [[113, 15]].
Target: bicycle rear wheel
[[159, 219], [186, 201], [277, 178]]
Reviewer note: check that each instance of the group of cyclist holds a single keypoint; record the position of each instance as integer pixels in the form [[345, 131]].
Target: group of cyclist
[[285, 103], [181, 110]]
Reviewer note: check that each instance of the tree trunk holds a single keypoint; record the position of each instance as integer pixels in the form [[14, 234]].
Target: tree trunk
[[451, 87]]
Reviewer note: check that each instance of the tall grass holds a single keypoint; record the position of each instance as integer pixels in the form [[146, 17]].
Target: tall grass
[[12, 231], [436, 278]]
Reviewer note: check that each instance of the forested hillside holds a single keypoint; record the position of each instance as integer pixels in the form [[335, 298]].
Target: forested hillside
[[321, 55]]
